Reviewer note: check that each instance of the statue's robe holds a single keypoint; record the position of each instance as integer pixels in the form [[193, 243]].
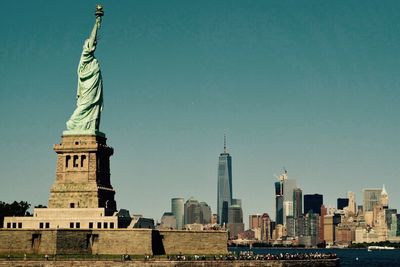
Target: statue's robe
[[89, 93]]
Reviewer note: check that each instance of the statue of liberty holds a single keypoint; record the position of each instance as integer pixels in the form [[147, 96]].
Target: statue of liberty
[[86, 117]]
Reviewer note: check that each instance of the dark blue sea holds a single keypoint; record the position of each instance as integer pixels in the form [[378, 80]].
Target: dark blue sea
[[348, 257]]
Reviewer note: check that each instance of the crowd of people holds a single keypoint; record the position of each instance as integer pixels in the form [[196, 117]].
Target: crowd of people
[[249, 255], [246, 255]]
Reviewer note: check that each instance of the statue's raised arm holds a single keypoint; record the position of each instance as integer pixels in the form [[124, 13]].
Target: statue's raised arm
[[92, 41], [86, 117]]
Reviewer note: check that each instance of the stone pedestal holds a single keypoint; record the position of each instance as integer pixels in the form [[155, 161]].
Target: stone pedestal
[[83, 174]]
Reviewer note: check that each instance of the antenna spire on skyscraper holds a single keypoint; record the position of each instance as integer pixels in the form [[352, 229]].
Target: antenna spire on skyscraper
[[224, 143]]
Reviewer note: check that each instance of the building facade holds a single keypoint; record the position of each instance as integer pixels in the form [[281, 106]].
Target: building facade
[[342, 203], [177, 208], [352, 202], [255, 221], [371, 197], [279, 202], [266, 228], [288, 188], [192, 211], [235, 221], [313, 203], [224, 188], [168, 221], [205, 211], [297, 202]]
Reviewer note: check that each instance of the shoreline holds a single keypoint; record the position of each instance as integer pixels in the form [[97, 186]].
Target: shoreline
[[167, 263], [299, 248]]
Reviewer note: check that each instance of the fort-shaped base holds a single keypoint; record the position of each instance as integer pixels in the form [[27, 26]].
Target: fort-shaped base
[[83, 173]]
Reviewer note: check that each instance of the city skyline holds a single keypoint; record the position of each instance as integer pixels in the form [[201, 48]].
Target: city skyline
[[310, 86]]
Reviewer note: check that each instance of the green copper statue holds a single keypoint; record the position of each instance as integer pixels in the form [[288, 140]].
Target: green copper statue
[[86, 117]]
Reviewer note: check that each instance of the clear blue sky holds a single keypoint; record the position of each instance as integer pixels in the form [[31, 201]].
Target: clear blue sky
[[310, 85]]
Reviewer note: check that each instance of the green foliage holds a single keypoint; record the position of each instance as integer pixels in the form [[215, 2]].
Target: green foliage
[[14, 209]]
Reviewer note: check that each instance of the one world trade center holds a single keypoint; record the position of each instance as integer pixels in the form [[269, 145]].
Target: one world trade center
[[224, 194]]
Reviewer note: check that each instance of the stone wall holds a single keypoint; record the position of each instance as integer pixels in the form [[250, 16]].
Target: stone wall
[[132, 241], [112, 242], [194, 242], [74, 242], [27, 241]]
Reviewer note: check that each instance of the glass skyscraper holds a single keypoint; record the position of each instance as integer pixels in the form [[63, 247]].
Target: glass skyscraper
[[177, 208], [284, 198], [278, 202], [288, 186], [313, 203], [342, 203], [297, 203], [224, 190]]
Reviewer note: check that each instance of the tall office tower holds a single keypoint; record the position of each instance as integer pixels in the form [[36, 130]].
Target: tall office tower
[[284, 197], [313, 203], [324, 211], [329, 229], [177, 208], [342, 203], [384, 198], [235, 214], [312, 227], [192, 211], [297, 202], [266, 227], [224, 194], [196, 212], [279, 202], [287, 210], [372, 197], [301, 226], [205, 211], [255, 221], [388, 216], [297, 208], [395, 226], [378, 217], [290, 226], [330, 222], [288, 186], [352, 202], [235, 221]]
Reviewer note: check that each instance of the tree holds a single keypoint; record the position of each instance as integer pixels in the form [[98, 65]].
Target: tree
[[13, 209]]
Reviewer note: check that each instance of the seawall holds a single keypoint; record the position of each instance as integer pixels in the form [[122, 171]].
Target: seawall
[[112, 242]]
